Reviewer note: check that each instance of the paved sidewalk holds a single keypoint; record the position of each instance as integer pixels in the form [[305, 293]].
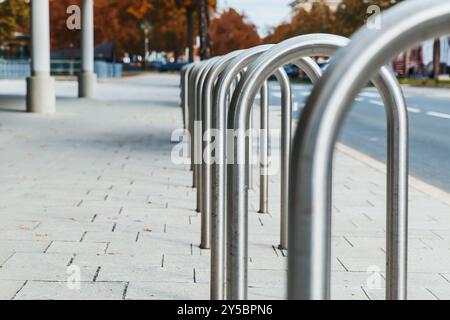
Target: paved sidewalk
[[92, 189]]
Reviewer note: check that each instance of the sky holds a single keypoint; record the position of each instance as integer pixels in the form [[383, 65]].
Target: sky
[[263, 13]]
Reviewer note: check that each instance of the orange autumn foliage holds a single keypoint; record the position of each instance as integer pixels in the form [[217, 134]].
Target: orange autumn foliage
[[230, 31], [119, 21]]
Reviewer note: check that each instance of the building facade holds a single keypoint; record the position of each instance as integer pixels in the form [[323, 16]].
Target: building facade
[[307, 4]]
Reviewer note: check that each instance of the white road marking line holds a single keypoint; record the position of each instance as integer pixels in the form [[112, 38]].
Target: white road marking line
[[378, 103], [369, 95], [438, 115], [276, 94], [359, 99], [302, 93], [296, 106], [414, 110]]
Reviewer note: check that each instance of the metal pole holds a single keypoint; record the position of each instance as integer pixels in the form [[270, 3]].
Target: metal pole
[[185, 94], [87, 77], [313, 71], [286, 128], [238, 226], [221, 94], [397, 186], [258, 71], [208, 167], [237, 263], [264, 149], [40, 85], [198, 141], [221, 204], [250, 155], [192, 85], [310, 67], [408, 23], [201, 188]]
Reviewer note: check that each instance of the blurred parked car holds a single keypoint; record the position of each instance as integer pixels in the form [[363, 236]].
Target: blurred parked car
[[155, 64], [292, 70], [171, 66], [323, 65]]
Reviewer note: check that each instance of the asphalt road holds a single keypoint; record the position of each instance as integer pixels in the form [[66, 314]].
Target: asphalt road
[[365, 128]]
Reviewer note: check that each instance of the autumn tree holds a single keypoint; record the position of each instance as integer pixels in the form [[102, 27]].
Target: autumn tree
[[115, 20], [348, 18], [279, 33], [352, 14], [119, 21], [14, 16], [319, 19], [230, 31]]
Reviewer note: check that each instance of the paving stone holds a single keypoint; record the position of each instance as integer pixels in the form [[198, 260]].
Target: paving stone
[[23, 246], [94, 187], [41, 266], [39, 290], [9, 288], [167, 291], [77, 247], [149, 274]]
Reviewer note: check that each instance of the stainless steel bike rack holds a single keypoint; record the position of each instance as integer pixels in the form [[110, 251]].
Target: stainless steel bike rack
[[211, 77], [219, 113], [258, 71], [404, 25], [186, 94], [310, 67], [196, 155], [205, 235], [264, 150], [220, 96], [184, 86], [192, 85]]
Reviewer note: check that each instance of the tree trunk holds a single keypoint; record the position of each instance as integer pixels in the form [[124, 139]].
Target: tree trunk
[[407, 62], [207, 39], [437, 58], [199, 4], [190, 26]]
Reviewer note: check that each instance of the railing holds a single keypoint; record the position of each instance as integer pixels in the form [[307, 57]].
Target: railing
[[14, 68], [222, 185], [21, 68]]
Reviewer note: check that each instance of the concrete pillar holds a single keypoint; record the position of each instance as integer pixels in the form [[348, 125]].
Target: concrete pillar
[[87, 78], [40, 86]]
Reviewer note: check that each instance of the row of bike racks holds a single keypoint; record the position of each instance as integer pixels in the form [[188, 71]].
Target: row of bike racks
[[220, 92]]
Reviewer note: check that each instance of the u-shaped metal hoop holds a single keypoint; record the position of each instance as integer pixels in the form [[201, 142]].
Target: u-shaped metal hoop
[[285, 52], [404, 25]]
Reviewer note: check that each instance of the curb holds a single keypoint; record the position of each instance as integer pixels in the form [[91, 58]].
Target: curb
[[416, 183]]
